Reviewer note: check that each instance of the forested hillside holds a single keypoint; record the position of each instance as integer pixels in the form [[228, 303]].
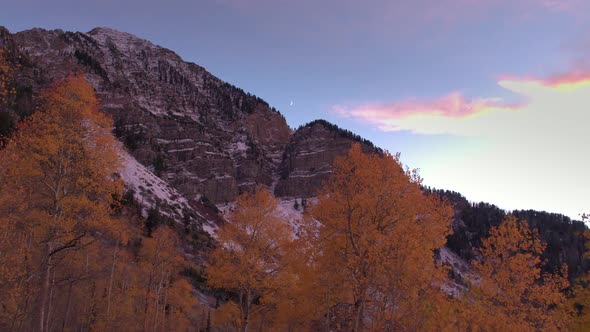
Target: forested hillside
[[472, 223]]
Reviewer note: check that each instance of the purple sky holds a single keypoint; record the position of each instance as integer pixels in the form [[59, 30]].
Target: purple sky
[[487, 97]]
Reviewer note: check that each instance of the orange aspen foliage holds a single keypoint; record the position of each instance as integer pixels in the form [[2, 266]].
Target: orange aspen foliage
[[66, 261], [250, 259], [227, 317], [160, 263], [57, 186], [512, 293], [375, 237]]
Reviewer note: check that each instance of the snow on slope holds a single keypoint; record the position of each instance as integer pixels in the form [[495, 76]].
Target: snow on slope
[[151, 192], [285, 209], [460, 268], [459, 265]]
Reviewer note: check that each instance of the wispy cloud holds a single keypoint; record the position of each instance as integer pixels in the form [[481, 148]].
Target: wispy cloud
[[565, 96], [419, 115], [573, 79]]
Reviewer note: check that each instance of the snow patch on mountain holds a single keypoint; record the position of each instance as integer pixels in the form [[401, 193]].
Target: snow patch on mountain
[[458, 264], [152, 192]]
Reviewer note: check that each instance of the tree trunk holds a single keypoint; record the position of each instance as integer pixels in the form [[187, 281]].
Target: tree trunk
[[112, 276], [165, 301], [360, 311], [69, 302], [45, 290], [157, 305], [147, 301], [327, 312], [245, 309], [50, 302]]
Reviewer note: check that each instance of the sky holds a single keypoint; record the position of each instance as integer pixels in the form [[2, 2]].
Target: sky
[[490, 98]]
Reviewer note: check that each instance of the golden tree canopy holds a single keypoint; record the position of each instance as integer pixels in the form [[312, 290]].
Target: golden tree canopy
[[377, 235], [512, 288]]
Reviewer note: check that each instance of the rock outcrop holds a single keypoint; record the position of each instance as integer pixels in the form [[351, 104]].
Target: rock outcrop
[[308, 158]]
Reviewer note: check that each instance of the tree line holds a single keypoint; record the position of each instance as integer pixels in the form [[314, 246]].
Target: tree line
[[564, 237]]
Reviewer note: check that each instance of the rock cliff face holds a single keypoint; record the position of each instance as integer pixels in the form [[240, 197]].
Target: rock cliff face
[[308, 158], [204, 137]]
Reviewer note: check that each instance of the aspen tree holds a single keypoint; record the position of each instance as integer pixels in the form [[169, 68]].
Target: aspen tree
[[513, 293], [377, 233], [250, 258]]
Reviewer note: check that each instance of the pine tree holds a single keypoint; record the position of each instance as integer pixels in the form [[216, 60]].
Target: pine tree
[[6, 78], [7, 91], [580, 301]]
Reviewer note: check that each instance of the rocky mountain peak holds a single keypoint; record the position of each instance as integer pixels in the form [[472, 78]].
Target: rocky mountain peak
[[103, 33], [307, 161], [204, 137]]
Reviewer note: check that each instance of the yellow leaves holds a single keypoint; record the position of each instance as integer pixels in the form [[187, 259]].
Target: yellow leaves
[[160, 251], [65, 155], [58, 187], [166, 298], [511, 283], [227, 317], [250, 259], [379, 230], [65, 261], [251, 243], [14, 271]]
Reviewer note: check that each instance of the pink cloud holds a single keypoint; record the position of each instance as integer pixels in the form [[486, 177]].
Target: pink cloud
[[454, 105], [455, 114], [572, 77]]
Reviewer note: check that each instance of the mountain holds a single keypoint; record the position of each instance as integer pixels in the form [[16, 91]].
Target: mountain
[[193, 142], [205, 137]]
